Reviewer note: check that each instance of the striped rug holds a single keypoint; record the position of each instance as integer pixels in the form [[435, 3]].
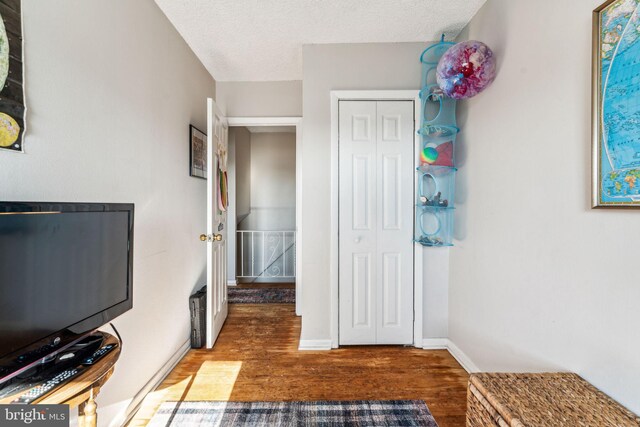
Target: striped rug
[[279, 414]]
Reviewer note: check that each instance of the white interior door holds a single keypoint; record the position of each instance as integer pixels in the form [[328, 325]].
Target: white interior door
[[217, 149], [376, 222]]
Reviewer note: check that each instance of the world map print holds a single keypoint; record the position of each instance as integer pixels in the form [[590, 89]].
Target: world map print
[[619, 142]]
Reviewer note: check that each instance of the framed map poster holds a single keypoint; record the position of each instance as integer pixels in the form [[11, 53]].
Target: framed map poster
[[12, 108], [616, 104]]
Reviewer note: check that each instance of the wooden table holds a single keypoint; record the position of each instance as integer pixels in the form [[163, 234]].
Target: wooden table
[[83, 389]]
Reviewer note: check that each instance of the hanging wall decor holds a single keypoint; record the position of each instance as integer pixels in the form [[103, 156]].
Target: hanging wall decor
[[466, 69], [450, 72], [197, 153], [12, 106], [616, 104], [436, 174]]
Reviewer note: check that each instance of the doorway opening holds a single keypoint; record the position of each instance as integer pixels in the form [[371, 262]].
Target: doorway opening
[[263, 211]]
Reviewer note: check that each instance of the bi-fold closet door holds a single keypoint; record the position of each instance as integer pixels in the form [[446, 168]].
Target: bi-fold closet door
[[376, 166]]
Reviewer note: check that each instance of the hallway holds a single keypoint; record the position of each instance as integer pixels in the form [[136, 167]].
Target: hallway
[[256, 359]]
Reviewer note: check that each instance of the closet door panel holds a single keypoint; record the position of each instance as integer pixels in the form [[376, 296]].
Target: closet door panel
[[394, 279], [358, 222]]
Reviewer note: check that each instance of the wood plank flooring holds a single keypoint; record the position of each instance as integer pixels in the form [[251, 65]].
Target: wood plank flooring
[[256, 359]]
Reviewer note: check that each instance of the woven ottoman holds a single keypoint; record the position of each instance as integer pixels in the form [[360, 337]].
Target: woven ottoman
[[541, 400]]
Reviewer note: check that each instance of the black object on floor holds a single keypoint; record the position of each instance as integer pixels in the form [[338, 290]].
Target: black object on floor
[[198, 310]]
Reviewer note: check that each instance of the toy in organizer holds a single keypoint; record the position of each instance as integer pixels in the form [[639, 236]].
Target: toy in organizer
[[437, 172]]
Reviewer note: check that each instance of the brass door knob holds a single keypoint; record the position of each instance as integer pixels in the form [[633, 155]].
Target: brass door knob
[[210, 238]]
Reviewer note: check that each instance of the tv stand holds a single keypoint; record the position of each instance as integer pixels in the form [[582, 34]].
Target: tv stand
[[82, 389]]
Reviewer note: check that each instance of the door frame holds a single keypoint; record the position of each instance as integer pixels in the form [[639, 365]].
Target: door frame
[[334, 259], [297, 123]]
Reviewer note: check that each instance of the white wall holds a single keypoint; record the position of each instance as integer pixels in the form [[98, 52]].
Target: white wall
[[435, 293], [273, 182], [239, 174], [243, 170], [260, 99], [111, 90], [347, 67], [231, 209], [539, 281]]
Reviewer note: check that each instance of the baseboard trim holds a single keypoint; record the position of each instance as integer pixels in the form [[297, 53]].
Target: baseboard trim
[[462, 358], [311, 345], [435, 343], [446, 344], [232, 283], [151, 385]]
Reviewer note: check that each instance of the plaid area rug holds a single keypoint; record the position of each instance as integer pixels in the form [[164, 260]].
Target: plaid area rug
[[261, 296], [281, 414]]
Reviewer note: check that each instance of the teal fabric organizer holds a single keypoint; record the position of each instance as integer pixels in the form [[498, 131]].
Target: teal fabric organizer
[[437, 172]]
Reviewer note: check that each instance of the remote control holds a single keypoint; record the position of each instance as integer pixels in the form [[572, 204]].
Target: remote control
[[98, 354], [44, 388], [16, 387]]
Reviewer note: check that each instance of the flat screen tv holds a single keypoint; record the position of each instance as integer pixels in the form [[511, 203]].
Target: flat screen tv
[[65, 270]]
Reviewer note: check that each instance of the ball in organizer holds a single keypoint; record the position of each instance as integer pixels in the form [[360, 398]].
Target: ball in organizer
[[429, 155]]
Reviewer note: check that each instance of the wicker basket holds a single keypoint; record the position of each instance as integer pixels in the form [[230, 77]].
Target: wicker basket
[[541, 400]]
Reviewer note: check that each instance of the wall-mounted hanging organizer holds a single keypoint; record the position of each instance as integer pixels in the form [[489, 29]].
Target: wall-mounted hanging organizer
[[437, 172]]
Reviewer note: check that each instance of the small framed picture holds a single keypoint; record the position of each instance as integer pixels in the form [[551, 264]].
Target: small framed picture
[[197, 153]]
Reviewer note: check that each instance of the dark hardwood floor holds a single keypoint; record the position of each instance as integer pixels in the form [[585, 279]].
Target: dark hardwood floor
[[256, 358]]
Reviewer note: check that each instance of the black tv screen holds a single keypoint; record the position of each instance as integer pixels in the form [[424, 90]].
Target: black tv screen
[[65, 270]]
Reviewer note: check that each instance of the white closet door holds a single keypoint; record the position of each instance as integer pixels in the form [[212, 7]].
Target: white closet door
[[395, 177], [358, 222], [376, 222]]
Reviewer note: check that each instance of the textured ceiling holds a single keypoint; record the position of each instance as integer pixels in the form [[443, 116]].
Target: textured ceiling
[[258, 40]]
